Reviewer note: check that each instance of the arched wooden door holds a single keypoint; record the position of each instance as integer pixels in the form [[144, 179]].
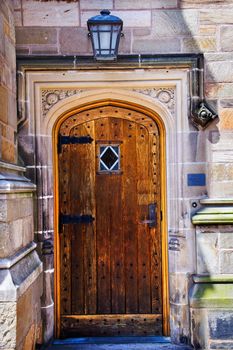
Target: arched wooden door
[[109, 224]]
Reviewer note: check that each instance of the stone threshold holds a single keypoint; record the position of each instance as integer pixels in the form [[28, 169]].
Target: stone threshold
[[116, 343], [113, 340]]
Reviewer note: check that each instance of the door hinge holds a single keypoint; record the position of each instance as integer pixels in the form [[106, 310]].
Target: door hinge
[[75, 219], [72, 140]]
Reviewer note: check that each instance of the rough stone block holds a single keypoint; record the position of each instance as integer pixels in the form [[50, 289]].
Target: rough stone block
[[207, 29], [182, 259], [226, 34], [96, 5], [28, 310], [226, 240], [215, 73], [221, 189], [226, 261], [27, 36], [227, 103], [221, 172], [50, 13], [44, 49], [18, 206], [15, 235], [207, 253], [214, 90], [8, 325], [174, 22], [156, 45], [199, 328], [179, 323], [3, 104], [220, 324], [8, 151], [74, 41], [204, 3], [140, 18], [222, 16], [178, 287], [146, 4], [197, 44]]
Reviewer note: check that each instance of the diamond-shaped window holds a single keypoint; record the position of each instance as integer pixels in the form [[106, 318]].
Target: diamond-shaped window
[[109, 158]]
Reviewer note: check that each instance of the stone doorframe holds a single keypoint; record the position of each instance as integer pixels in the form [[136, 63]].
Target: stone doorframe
[[48, 94]]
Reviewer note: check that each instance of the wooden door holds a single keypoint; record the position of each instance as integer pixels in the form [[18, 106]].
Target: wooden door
[[110, 246]]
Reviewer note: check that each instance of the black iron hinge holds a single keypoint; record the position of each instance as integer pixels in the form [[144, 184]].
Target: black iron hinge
[[72, 140], [75, 219]]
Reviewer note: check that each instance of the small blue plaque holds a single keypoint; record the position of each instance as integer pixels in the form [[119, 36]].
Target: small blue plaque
[[196, 180]]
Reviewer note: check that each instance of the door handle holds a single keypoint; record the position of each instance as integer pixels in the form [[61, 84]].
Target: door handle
[[152, 222]]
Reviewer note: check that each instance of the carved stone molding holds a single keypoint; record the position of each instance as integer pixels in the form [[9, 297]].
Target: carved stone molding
[[49, 97], [164, 95]]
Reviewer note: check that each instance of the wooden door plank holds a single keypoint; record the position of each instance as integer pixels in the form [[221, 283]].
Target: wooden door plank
[[65, 234], [116, 229], [112, 325], [143, 191], [130, 218], [83, 243], [156, 272], [103, 196]]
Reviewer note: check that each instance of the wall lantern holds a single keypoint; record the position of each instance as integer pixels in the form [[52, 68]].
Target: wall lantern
[[105, 31]]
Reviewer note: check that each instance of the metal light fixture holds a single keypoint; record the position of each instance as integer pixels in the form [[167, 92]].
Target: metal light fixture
[[105, 31]]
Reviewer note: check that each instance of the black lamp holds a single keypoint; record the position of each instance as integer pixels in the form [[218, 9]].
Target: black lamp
[[105, 31]]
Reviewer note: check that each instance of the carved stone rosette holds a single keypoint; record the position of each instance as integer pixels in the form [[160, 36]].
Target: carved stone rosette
[[164, 95], [50, 97]]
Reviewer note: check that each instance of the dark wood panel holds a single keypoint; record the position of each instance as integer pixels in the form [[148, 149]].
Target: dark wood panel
[[143, 200], [103, 227], [65, 233], [111, 325], [130, 218], [111, 268]]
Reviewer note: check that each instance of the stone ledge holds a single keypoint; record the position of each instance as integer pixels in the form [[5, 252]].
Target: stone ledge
[[13, 183], [211, 295], [13, 167], [16, 280], [216, 211], [7, 263], [223, 278]]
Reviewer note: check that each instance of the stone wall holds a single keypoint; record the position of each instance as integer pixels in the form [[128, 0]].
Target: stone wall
[[20, 266], [151, 26], [8, 120], [58, 28]]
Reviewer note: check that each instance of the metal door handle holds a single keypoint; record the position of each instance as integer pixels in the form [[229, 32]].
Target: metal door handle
[[152, 222]]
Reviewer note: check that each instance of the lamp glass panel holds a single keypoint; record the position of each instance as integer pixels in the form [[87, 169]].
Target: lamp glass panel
[[115, 31], [94, 30], [105, 37]]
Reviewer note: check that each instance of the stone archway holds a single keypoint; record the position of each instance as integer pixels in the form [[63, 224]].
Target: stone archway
[[162, 96]]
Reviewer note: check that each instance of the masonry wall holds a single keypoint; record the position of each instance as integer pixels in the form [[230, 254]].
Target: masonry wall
[[151, 26], [8, 121], [20, 266], [158, 27]]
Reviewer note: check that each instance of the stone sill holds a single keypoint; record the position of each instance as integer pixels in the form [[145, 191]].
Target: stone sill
[[211, 295], [7, 263], [11, 166], [216, 211], [223, 278], [14, 183]]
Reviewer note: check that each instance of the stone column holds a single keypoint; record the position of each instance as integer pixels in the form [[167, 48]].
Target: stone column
[[20, 266]]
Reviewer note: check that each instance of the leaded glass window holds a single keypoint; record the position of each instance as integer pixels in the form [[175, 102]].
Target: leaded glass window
[[109, 158]]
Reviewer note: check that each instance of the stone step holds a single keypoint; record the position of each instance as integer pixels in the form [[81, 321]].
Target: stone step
[[117, 343]]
